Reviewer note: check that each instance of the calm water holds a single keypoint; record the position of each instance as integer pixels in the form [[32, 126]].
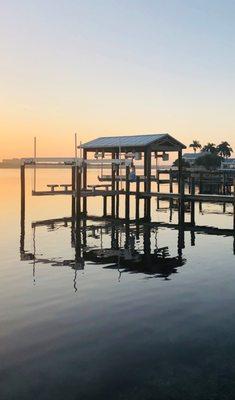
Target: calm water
[[150, 314]]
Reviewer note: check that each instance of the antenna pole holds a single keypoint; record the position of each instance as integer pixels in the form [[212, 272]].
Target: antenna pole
[[35, 156]]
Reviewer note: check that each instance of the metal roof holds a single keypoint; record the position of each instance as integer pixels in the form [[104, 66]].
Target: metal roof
[[126, 141]]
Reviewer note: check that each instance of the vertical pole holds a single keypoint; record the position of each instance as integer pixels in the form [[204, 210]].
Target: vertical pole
[[34, 169], [113, 187], [85, 181], [104, 206], [148, 184], [145, 181], [22, 180], [180, 188], [73, 203], [127, 211], [117, 188], [73, 179], [22, 213], [158, 181], [137, 199], [78, 193], [234, 206], [171, 181], [179, 171]]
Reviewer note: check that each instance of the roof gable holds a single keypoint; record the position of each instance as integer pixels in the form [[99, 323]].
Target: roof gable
[[135, 142]]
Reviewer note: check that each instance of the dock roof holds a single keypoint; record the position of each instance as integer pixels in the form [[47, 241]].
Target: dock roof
[[160, 141]]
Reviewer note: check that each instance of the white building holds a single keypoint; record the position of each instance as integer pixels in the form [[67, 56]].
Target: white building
[[228, 164], [192, 157]]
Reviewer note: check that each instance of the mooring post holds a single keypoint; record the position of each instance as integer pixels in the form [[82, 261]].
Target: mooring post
[[158, 181], [117, 187], [180, 188], [234, 205], [78, 192], [137, 199], [73, 178], [22, 208], [22, 186], [113, 187], [171, 181], [85, 181], [127, 211], [147, 156], [180, 170], [104, 206]]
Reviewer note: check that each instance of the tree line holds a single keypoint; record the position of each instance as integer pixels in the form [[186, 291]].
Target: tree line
[[211, 154], [223, 149]]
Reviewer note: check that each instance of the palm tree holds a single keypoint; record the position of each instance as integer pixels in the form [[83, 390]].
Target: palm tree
[[224, 149], [210, 148], [195, 145]]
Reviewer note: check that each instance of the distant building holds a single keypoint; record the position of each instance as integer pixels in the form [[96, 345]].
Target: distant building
[[10, 163], [228, 164], [192, 157]]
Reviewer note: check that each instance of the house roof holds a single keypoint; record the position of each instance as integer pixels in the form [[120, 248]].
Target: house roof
[[137, 142], [192, 156]]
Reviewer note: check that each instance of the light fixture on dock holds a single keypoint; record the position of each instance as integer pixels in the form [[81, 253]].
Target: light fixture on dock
[[164, 156]]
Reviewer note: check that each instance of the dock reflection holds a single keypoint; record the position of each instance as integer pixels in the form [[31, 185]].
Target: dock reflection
[[125, 246]]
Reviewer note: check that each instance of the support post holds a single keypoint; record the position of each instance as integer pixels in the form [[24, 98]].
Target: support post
[[171, 181], [113, 188], [22, 211], [234, 206], [137, 199], [117, 188], [73, 179], [85, 181], [127, 210], [180, 170], [22, 185], [78, 193], [104, 206], [147, 173]]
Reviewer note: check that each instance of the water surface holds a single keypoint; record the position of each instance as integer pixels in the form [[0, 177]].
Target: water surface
[[142, 313]]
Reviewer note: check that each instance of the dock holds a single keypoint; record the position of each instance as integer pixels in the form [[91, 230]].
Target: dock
[[122, 155]]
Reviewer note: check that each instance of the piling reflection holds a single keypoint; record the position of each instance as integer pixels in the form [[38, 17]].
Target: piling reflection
[[126, 247]]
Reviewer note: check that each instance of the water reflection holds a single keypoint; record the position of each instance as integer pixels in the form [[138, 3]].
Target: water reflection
[[125, 247]]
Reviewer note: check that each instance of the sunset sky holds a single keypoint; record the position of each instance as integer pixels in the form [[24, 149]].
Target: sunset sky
[[107, 67]]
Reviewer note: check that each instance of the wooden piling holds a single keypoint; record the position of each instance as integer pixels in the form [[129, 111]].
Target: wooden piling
[[117, 186], [104, 206], [73, 179], [113, 187], [127, 202], [22, 208], [137, 199], [78, 192], [171, 181], [147, 173], [85, 181]]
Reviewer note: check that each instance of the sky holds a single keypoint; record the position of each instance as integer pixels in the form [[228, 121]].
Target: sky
[[114, 67]]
